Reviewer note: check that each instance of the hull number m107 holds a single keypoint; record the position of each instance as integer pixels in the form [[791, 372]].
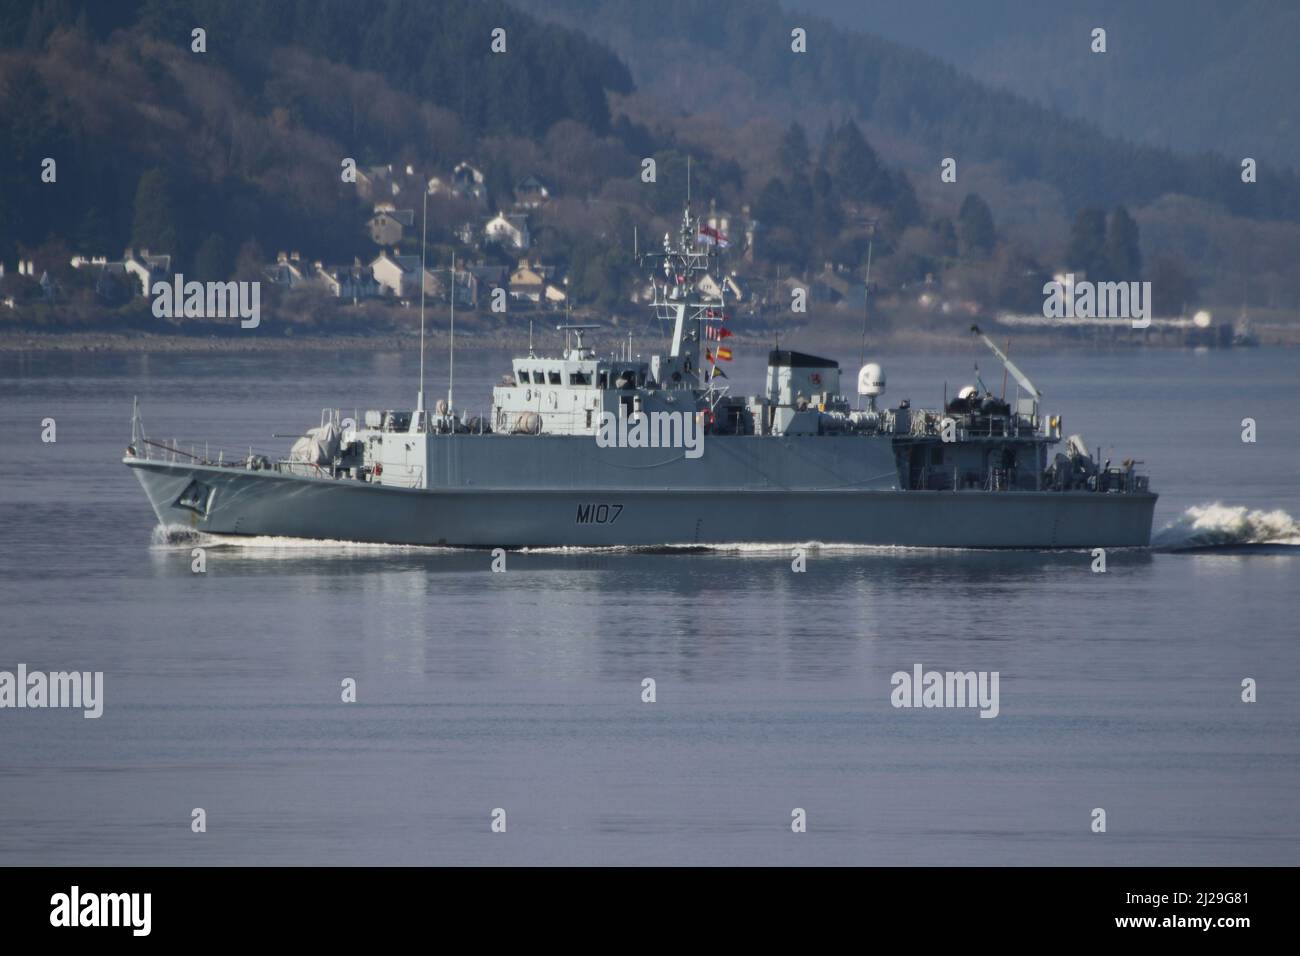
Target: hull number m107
[[598, 514]]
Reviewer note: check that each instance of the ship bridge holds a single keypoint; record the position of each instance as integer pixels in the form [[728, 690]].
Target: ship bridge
[[565, 395]]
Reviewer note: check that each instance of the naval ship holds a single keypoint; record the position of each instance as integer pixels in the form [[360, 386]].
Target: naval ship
[[588, 450]]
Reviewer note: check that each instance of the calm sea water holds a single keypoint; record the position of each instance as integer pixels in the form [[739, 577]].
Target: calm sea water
[[522, 690]]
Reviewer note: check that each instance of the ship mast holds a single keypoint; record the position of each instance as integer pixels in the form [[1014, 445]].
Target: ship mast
[[451, 360], [424, 239], [674, 298]]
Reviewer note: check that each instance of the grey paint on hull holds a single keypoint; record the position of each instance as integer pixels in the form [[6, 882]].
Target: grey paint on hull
[[267, 503], [576, 463]]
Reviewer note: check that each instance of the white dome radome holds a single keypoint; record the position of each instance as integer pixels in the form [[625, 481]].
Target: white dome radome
[[871, 379]]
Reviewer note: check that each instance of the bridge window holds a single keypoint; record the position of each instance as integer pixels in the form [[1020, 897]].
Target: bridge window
[[603, 379], [555, 378], [579, 378]]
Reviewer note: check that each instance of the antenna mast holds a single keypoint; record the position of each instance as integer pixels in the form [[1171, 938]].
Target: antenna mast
[[424, 239], [866, 296], [451, 363]]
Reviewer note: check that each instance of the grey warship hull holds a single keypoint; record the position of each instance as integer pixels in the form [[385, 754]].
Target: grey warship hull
[[586, 450], [550, 491]]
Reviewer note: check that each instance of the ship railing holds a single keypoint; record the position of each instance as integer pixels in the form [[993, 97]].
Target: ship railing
[[1119, 481], [973, 427], [1114, 481], [929, 423], [172, 452], [309, 469]]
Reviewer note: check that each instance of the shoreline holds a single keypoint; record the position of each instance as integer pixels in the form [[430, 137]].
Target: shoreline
[[799, 339]]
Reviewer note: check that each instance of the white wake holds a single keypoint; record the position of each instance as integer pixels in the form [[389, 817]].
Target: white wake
[[1201, 526], [182, 538], [1219, 525]]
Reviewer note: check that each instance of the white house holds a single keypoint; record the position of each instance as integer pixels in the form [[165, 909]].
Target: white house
[[146, 268], [711, 288], [510, 231], [396, 275]]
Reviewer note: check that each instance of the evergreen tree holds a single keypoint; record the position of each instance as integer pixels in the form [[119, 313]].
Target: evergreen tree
[[212, 261], [945, 236], [770, 207], [1173, 288], [94, 235], [1087, 249], [1123, 253], [904, 209], [799, 204], [852, 163], [975, 227], [828, 219], [794, 152], [250, 261], [155, 227]]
